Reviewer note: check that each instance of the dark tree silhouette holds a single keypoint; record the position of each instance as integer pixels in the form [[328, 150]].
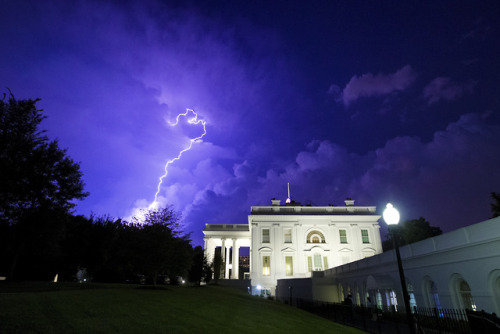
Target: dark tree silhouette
[[34, 172], [495, 206], [200, 269], [410, 231], [162, 247], [217, 265], [38, 181]]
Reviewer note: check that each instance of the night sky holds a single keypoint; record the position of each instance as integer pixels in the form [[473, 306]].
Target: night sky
[[373, 100]]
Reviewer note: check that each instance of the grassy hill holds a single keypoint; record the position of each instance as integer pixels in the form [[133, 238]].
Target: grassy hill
[[100, 308]]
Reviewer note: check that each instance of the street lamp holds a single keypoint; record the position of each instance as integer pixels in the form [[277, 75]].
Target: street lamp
[[391, 217]]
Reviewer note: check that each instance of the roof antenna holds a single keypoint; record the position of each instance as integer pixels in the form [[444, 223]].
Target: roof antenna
[[288, 200]]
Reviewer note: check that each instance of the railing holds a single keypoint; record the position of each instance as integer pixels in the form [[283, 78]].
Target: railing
[[226, 227], [388, 320], [440, 320], [307, 210]]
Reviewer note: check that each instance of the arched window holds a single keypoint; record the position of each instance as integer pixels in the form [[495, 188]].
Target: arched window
[[356, 295], [466, 296], [315, 237], [378, 297], [392, 300], [462, 296], [434, 296], [431, 293], [413, 302]]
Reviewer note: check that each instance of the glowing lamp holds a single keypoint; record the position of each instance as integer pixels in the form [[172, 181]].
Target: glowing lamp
[[391, 215]]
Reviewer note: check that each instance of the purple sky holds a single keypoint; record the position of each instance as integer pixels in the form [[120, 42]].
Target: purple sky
[[374, 100]]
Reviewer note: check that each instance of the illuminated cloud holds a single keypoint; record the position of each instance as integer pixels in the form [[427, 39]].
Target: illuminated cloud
[[368, 84], [424, 178], [442, 88], [434, 176]]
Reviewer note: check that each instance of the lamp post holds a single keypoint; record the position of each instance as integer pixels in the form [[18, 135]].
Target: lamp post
[[391, 217]]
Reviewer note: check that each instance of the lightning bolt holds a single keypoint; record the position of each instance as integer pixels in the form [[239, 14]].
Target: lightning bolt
[[193, 120]]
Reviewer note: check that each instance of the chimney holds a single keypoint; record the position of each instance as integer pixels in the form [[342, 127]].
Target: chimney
[[275, 202], [349, 202]]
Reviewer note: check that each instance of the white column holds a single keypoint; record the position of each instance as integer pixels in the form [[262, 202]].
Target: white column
[[223, 255], [356, 242], [255, 271], [250, 259], [277, 266], [226, 271], [236, 260], [376, 238]]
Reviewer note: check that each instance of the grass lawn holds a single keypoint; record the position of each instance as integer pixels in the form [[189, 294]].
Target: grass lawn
[[105, 308]]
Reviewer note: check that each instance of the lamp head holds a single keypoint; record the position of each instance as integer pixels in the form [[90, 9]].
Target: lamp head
[[391, 215]]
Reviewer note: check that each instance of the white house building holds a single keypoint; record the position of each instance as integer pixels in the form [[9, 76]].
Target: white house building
[[292, 240], [327, 252]]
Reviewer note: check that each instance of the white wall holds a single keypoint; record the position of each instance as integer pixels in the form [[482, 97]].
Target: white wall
[[471, 254]]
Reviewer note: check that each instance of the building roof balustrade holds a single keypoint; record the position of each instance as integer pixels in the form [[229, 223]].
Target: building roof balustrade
[[227, 227], [312, 210]]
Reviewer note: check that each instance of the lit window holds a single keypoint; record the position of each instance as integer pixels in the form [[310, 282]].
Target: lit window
[[265, 235], [309, 264], [343, 236], [393, 300], [433, 296], [315, 237], [317, 263], [364, 236], [378, 297], [266, 265], [289, 265], [413, 302], [325, 262], [288, 235], [466, 295]]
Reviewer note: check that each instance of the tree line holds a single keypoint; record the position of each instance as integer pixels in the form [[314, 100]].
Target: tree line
[[41, 237]]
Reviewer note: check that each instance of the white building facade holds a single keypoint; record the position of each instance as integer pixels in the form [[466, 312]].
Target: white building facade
[[293, 241], [325, 253]]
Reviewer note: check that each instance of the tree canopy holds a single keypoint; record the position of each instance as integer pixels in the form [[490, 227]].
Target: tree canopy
[[411, 231], [163, 248], [200, 268], [35, 173], [495, 206], [39, 184]]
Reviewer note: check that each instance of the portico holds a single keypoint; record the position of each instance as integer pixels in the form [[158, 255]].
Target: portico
[[228, 237]]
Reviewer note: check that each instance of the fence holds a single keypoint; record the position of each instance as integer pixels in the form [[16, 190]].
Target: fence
[[433, 320], [388, 320]]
